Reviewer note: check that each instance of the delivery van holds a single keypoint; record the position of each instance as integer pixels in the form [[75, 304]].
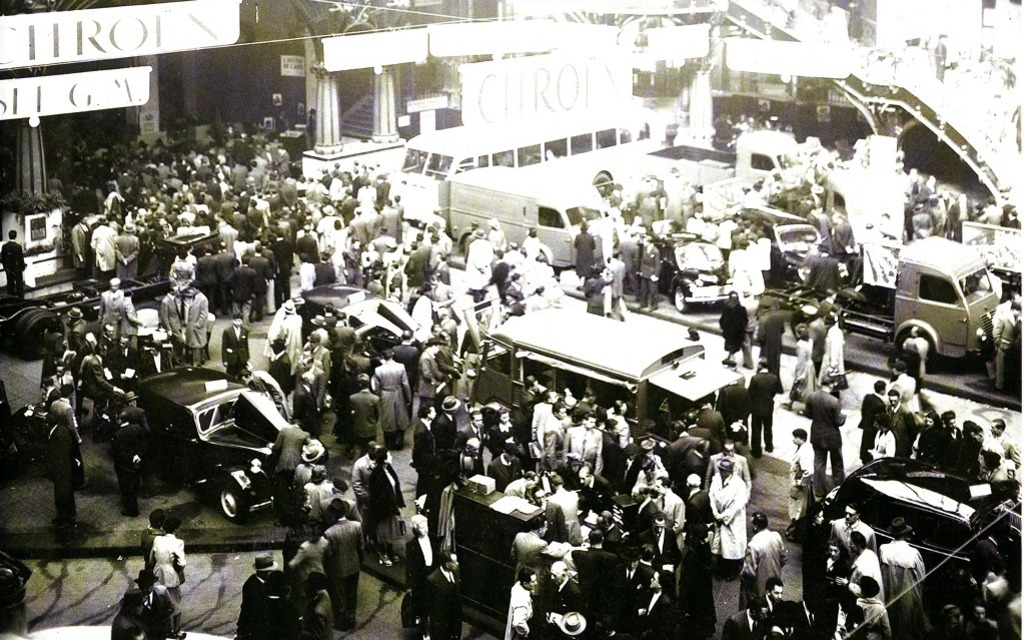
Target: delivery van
[[653, 366], [524, 199]]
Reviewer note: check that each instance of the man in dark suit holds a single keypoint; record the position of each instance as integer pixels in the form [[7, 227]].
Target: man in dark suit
[[698, 503], [12, 256], [445, 428], [666, 552], [710, 426], [234, 347], [764, 386], [206, 274], [426, 459], [128, 623], [749, 624], [594, 565], [872, 405], [676, 454], [734, 405], [264, 274], [769, 336], [252, 616], [365, 413], [444, 612], [827, 417], [285, 454], [225, 269], [61, 448], [417, 267], [244, 283], [631, 581], [344, 559], [306, 244], [656, 617], [129, 444], [284, 255]]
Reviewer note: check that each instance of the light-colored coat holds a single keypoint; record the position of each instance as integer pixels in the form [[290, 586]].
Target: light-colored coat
[[729, 506], [392, 384]]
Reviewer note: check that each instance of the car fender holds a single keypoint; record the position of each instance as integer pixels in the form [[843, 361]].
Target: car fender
[[924, 327]]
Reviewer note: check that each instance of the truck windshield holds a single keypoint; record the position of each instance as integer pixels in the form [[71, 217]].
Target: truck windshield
[[438, 166], [414, 162], [976, 285], [579, 214]]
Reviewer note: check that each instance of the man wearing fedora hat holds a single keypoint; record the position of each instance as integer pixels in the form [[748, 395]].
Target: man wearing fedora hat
[[729, 495], [253, 616], [129, 443], [128, 623], [126, 250], [903, 574], [156, 606]]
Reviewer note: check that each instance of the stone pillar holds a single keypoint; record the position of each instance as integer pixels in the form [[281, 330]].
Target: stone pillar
[[328, 113], [385, 120], [700, 108], [31, 160]]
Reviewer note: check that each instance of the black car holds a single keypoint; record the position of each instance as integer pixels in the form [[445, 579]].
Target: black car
[[792, 239], [377, 321], [693, 272], [949, 513], [215, 433]]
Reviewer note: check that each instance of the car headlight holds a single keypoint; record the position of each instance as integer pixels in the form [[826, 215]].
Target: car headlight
[[243, 480], [980, 332]]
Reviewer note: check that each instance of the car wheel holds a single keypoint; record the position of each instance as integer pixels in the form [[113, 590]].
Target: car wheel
[[233, 504], [679, 298]]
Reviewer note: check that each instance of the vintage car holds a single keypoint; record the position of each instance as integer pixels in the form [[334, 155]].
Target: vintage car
[[213, 433], [376, 320], [949, 513], [791, 237], [693, 272]]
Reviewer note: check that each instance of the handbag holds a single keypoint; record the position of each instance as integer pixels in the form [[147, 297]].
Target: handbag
[[839, 381], [408, 615]]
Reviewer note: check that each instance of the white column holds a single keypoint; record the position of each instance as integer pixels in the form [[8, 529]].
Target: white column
[[385, 119], [328, 114]]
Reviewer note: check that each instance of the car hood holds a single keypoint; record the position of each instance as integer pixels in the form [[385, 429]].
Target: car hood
[[257, 419]]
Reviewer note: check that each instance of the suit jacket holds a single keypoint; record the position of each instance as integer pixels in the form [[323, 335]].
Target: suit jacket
[[444, 611], [629, 595], [594, 567], [235, 350], [245, 283], [737, 627], [734, 404], [365, 414], [659, 620], [287, 448], [871, 406], [668, 554], [762, 389], [13, 257], [345, 554], [563, 517], [715, 424], [826, 417]]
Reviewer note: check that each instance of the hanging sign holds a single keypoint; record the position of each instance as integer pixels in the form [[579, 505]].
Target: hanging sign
[[118, 32], [74, 92], [293, 66]]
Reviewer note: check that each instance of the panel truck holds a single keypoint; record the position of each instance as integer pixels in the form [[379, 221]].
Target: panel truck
[[942, 287], [524, 199]]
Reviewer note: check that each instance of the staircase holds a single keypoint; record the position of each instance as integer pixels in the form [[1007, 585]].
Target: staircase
[[357, 122], [884, 79]]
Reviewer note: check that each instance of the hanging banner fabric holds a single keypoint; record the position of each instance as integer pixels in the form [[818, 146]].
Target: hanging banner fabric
[[74, 92], [119, 32]]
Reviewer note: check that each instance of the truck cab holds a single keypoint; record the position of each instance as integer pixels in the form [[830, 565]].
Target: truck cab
[[941, 287]]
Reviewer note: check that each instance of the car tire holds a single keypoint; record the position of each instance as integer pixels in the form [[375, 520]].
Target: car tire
[[233, 505], [603, 182], [679, 300]]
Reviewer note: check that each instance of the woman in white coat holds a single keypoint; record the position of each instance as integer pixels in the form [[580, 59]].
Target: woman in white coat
[[834, 361], [168, 559]]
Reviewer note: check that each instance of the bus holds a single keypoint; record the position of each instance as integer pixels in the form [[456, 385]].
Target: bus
[[598, 142]]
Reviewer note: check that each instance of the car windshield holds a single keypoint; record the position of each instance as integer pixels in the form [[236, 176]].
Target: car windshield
[[699, 256], [976, 285], [797, 234], [579, 214], [211, 418]]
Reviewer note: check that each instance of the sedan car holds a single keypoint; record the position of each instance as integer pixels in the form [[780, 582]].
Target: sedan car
[[949, 514], [693, 272], [376, 320], [213, 432], [791, 238]]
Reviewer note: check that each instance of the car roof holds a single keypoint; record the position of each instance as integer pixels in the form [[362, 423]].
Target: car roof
[[627, 350], [187, 386], [339, 295], [771, 215]]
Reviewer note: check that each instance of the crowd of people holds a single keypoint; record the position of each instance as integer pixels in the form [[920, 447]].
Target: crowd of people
[[581, 569]]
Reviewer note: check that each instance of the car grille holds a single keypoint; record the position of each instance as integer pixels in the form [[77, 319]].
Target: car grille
[[986, 323]]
